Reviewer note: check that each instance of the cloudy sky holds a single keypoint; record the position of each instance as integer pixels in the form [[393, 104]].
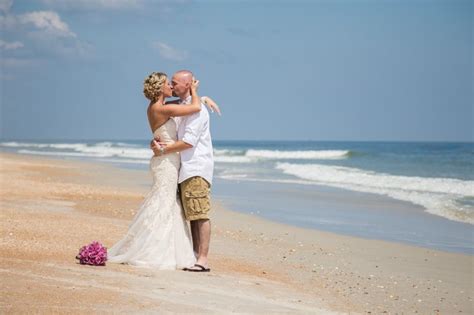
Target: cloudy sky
[[280, 70]]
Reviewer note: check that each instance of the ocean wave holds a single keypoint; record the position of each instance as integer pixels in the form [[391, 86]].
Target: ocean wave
[[72, 146], [68, 146], [117, 144], [124, 161], [123, 152], [24, 145], [232, 159], [439, 196], [227, 152], [254, 155], [101, 149], [136, 151], [299, 155], [246, 177], [51, 153], [98, 152]]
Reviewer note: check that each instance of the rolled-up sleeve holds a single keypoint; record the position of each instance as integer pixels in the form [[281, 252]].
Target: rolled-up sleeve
[[194, 125]]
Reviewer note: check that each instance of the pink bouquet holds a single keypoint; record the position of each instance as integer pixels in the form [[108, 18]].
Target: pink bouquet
[[93, 254]]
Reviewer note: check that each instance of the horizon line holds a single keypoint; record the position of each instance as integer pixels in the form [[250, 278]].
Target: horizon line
[[237, 140]]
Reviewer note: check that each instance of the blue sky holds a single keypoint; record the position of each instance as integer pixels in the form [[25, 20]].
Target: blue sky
[[280, 70]]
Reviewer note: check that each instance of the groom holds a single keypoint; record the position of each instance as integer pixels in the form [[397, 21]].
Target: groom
[[197, 166]]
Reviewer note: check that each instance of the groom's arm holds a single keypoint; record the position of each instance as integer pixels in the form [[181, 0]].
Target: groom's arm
[[178, 146], [194, 125]]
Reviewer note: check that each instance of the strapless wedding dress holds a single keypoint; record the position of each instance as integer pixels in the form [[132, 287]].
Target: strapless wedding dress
[[158, 236]]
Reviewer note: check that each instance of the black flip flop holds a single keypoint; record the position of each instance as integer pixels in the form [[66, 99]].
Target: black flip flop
[[202, 269]]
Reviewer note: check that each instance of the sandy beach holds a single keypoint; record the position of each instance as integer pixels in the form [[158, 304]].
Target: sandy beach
[[51, 207]]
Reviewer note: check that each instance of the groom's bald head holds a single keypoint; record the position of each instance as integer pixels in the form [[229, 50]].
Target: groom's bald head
[[181, 83], [184, 75]]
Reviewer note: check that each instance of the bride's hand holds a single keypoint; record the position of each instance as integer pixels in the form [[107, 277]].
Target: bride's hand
[[211, 104], [194, 85]]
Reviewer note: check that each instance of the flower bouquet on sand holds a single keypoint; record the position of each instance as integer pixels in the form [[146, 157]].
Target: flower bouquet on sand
[[93, 254]]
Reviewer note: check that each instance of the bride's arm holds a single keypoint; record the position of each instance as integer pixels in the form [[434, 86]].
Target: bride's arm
[[209, 102], [183, 110]]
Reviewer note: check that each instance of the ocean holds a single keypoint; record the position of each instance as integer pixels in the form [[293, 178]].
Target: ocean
[[420, 193]]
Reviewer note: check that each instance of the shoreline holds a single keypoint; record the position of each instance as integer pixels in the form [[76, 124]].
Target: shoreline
[[297, 270], [332, 209], [345, 212]]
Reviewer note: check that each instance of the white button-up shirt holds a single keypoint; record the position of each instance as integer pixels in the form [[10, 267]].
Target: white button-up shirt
[[195, 130]]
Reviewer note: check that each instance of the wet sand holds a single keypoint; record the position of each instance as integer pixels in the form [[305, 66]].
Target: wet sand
[[51, 207]]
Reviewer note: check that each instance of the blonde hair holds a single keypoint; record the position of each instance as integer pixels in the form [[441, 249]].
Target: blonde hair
[[153, 85]]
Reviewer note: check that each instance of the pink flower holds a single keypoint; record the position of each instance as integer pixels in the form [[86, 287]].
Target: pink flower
[[93, 254]]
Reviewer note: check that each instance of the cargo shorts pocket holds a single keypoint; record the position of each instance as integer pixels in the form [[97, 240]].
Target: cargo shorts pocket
[[197, 202]]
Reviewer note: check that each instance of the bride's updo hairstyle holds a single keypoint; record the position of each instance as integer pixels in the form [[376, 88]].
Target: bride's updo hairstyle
[[153, 85]]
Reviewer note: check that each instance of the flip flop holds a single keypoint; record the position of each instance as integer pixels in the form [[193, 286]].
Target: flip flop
[[201, 268]]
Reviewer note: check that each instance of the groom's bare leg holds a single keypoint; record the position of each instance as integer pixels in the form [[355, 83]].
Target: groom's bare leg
[[195, 235], [204, 227], [196, 203]]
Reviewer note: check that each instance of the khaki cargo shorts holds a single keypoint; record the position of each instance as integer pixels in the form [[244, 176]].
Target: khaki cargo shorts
[[195, 198]]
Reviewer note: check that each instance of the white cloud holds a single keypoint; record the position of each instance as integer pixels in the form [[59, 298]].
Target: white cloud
[[44, 33], [10, 46], [66, 47], [5, 5], [94, 4], [168, 52], [47, 21]]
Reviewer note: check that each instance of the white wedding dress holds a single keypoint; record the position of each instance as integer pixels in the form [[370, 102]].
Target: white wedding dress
[[158, 236]]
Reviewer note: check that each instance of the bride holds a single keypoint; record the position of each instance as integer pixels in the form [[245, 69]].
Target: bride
[[158, 236]]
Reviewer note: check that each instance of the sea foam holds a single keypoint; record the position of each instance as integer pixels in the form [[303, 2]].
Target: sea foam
[[254, 155], [440, 196], [298, 155]]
